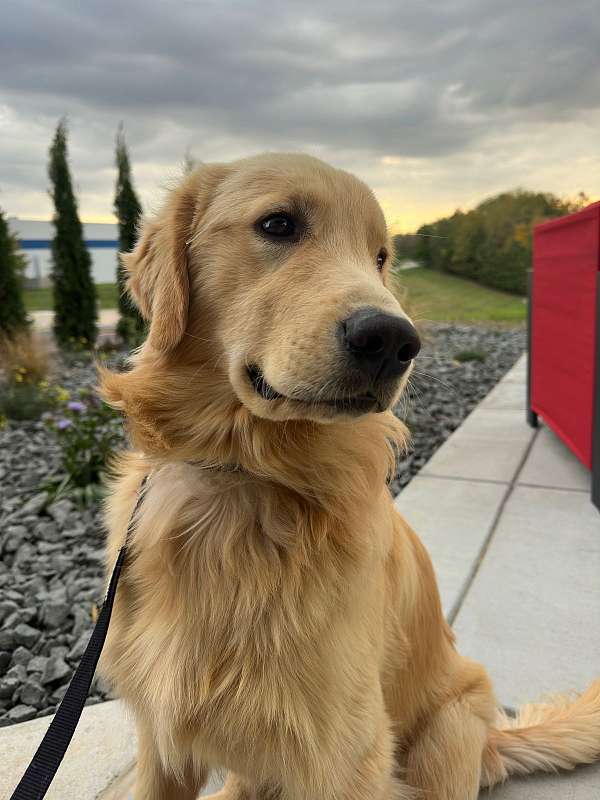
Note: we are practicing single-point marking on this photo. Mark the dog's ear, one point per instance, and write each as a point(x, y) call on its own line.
point(158, 265)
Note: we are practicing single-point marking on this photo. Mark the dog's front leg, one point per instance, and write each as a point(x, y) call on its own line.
point(445, 761)
point(236, 788)
point(371, 777)
point(375, 775)
point(154, 782)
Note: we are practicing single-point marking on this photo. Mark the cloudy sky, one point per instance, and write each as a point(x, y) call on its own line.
point(436, 104)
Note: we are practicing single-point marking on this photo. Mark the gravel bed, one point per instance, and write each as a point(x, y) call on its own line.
point(443, 391)
point(51, 567)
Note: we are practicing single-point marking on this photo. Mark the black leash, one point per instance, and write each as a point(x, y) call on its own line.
point(46, 761)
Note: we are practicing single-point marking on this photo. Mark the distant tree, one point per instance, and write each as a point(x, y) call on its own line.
point(492, 243)
point(405, 247)
point(13, 316)
point(75, 306)
point(131, 327)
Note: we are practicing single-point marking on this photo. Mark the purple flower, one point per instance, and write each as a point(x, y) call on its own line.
point(75, 405)
point(63, 423)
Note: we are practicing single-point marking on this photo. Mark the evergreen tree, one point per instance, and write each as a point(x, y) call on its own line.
point(75, 308)
point(131, 327)
point(13, 317)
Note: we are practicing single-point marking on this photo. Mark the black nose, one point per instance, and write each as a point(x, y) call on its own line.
point(382, 345)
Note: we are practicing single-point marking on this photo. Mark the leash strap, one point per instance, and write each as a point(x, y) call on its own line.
point(46, 761)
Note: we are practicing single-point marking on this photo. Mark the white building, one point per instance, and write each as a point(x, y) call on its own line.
point(36, 240)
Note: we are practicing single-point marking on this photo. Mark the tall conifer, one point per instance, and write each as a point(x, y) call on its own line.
point(131, 327)
point(13, 316)
point(75, 306)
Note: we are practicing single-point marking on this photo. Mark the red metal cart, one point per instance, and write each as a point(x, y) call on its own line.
point(564, 334)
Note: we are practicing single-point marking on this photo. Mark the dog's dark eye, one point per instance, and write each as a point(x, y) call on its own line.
point(381, 259)
point(280, 226)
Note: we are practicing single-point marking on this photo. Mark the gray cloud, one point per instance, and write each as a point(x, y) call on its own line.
point(352, 81)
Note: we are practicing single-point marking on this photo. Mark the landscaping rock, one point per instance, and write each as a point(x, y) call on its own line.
point(21, 713)
point(8, 685)
point(22, 656)
point(32, 694)
point(55, 671)
point(37, 664)
point(34, 505)
point(26, 635)
point(5, 659)
point(60, 510)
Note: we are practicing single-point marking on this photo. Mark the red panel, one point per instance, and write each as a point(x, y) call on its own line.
point(566, 259)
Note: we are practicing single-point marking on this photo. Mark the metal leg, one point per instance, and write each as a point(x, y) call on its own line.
point(596, 409)
point(532, 417)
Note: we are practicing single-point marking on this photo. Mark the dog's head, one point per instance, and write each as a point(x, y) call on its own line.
point(272, 270)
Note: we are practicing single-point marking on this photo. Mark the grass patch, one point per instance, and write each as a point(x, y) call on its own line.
point(439, 297)
point(469, 355)
point(41, 299)
point(429, 294)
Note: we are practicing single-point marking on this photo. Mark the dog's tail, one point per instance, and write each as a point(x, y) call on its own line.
point(545, 737)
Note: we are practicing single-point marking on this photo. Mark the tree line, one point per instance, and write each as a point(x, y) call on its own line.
point(492, 243)
point(75, 301)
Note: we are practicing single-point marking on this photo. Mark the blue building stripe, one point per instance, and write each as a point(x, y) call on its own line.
point(46, 244)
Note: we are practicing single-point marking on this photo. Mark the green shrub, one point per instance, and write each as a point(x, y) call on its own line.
point(470, 355)
point(88, 432)
point(25, 401)
point(25, 393)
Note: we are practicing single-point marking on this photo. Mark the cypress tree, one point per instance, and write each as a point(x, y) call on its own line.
point(13, 316)
point(75, 307)
point(131, 327)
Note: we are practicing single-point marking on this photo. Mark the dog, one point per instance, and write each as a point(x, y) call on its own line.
point(277, 618)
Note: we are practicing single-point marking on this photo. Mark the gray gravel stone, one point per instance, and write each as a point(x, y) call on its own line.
point(78, 648)
point(8, 685)
point(60, 510)
point(32, 694)
point(55, 671)
point(35, 504)
point(22, 656)
point(5, 659)
point(21, 713)
point(37, 664)
point(48, 531)
point(26, 635)
point(7, 607)
point(55, 613)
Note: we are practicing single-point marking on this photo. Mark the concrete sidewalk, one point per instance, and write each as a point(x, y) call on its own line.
point(505, 512)
point(107, 319)
point(515, 541)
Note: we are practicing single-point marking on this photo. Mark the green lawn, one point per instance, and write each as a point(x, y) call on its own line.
point(41, 299)
point(430, 295)
point(437, 296)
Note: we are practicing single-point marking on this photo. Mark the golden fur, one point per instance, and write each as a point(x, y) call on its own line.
point(276, 616)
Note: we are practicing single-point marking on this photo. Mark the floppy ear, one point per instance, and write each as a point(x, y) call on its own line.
point(158, 265)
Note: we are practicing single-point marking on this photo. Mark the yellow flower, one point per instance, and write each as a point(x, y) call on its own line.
point(43, 384)
point(19, 378)
point(62, 394)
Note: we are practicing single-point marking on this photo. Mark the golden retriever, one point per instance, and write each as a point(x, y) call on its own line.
point(277, 617)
